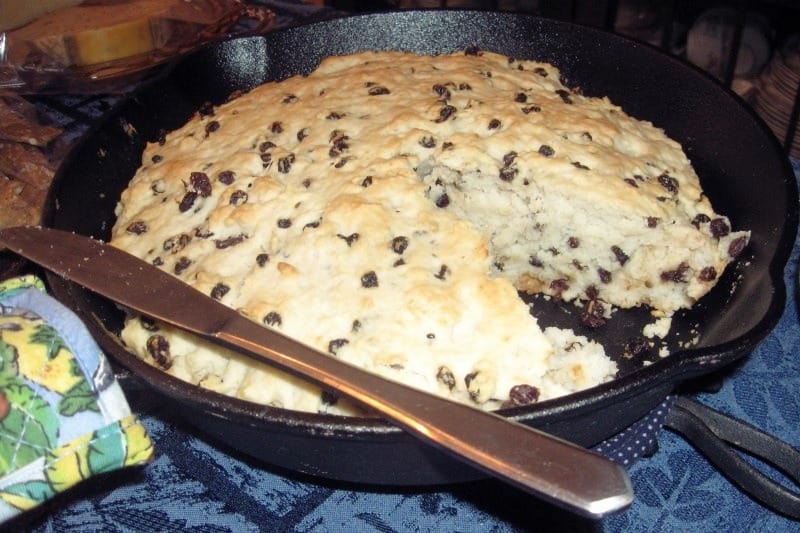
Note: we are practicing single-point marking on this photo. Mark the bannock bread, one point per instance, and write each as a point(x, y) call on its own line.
point(387, 208)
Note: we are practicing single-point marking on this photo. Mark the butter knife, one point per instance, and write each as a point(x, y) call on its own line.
point(553, 469)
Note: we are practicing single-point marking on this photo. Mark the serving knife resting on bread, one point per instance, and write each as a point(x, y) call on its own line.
point(551, 468)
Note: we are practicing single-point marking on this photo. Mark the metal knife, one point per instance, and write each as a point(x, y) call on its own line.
point(551, 468)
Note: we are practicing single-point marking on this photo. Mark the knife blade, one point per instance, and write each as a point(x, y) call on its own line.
point(553, 469)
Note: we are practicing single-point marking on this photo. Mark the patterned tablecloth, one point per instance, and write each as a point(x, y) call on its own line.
point(195, 483)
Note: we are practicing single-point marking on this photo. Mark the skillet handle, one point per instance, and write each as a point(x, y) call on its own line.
point(716, 435)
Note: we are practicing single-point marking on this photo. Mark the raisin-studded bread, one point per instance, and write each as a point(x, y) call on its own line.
point(387, 207)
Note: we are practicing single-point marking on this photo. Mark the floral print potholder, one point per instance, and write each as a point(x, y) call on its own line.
point(63, 416)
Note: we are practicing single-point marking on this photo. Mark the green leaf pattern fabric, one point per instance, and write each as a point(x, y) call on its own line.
point(63, 417)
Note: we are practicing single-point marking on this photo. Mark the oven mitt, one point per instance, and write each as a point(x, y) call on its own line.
point(63, 416)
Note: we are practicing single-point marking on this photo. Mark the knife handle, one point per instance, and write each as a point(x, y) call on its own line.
point(551, 468)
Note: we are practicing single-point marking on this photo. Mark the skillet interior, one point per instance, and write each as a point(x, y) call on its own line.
point(740, 164)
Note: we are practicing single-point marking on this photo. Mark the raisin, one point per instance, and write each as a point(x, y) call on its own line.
point(338, 141)
point(238, 197)
point(378, 90)
point(181, 265)
point(137, 227)
point(399, 244)
point(534, 261)
point(444, 271)
point(652, 222)
point(427, 142)
point(266, 145)
point(333, 115)
point(445, 113)
point(211, 127)
point(579, 165)
point(158, 349)
point(349, 239)
point(508, 158)
point(284, 223)
point(508, 174)
point(289, 98)
point(313, 225)
point(285, 164)
point(356, 326)
point(494, 124)
point(565, 96)
point(668, 182)
point(621, 256)
point(719, 228)
point(592, 314)
point(226, 177)
point(176, 243)
point(366, 182)
point(443, 200)
point(676, 275)
point(591, 292)
point(540, 71)
point(336, 344)
point(446, 377)
point(276, 127)
point(306, 183)
point(546, 151)
point(521, 98)
point(700, 218)
point(272, 319)
point(528, 109)
point(441, 90)
point(558, 286)
point(586, 136)
point(573, 242)
point(221, 244)
point(329, 398)
point(604, 275)
point(369, 280)
point(157, 158)
point(303, 133)
point(219, 290)
point(708, 273)
point(523, 395)
point(631, 182)
point(463, 86)
point(262, 259)
point(187, 201)
point(206, 109)
point(199, 182)
point(737, 246)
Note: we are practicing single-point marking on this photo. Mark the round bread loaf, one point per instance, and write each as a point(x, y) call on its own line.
point(387, 208)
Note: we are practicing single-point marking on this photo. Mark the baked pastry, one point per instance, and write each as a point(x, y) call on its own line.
point(387, 207)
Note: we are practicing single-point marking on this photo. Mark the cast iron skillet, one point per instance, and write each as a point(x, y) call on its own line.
point(740, 164)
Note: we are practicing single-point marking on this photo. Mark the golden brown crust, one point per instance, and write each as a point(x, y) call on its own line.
point(384, 207)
